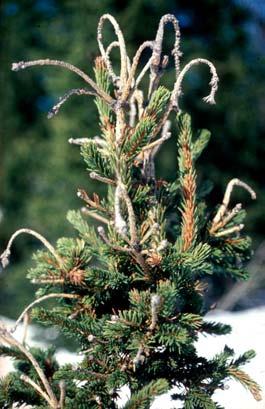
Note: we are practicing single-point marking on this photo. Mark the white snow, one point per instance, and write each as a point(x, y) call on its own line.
point(248, 332)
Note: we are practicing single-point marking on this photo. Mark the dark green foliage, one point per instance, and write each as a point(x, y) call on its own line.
point(144, 398)
point(197, 399)
point(200, 143)
point(142, 133)
point(95, 160)
point(103, 81)
point(158, 102)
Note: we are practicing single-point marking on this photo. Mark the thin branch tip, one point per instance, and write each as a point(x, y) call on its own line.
point(16, 66)
point(5, 258)
point(209, 99)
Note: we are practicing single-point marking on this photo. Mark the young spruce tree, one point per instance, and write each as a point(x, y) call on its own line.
point(130, 292)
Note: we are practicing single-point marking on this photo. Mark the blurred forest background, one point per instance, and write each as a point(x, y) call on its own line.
point(40, 172)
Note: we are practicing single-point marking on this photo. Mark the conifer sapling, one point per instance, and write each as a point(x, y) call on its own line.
point(129, 288)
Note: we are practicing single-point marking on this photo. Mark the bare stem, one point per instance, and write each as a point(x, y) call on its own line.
point(123, 52)
point(47, 281)
point(133, 112)
point(45, 297)
point(37, 388)
point(104, 237)
point(108, 62)
point(102, 179)
point(136, 59)
point(7, 337)
point(62, 393)
point(26, 321)
point(155, 305)
point(157, 51)
point(6, 254)
point(131, 215)
point(173, 102)
point(79, 141)
point(75, 91)
point(94, 215)
point(25, 64)
point(229, 189)
point(142, 73)
point(214, 81)
point(231, 230)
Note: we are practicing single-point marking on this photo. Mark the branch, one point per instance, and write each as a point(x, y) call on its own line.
point(155, 305)
point(213, 83)
point(94, 215)
point(151, 150)
point(166, 134)
point(75, 91)
point(104, 237)
point(45, 297)
point(79, 141)
point(223, 222)
point(6, 253)
point(157, 50)
point(150, 232)
point(62, 393)
point(139, 358)
point(123, 52)
point(22, 65)
point(92, 203)
point(94, 175)
point(37, 388)
point(7, 337)
point(173, 102)
point(127, 88)
point(120, 223)
point(111, 72)
point(229, 189)
point(131, 215)
point(231, 230)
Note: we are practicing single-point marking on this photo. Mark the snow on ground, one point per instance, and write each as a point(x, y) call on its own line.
point(248, 333)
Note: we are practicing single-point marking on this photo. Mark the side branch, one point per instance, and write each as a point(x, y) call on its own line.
point(108, 62)
point(76, 91)
point(213, 83)
point(9, 339)
point(173, 102)
point(25, 64)
point(123, 52)
point(6, 254)
point(45, 297)
point(157, 51)
point(229, 189)
point(136, 59)
point(35, 386)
